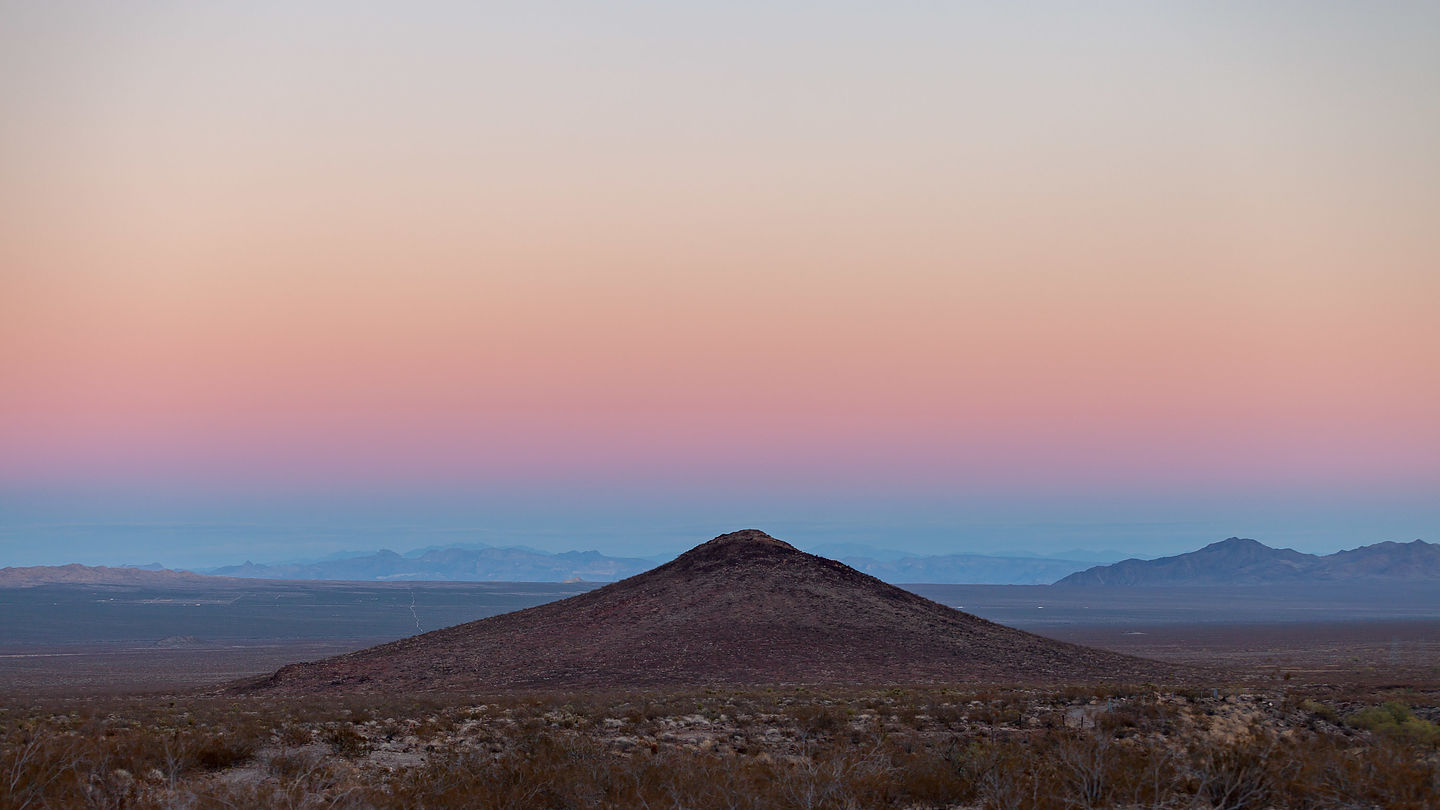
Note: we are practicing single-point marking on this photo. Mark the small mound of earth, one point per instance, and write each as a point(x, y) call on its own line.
point(178, 642)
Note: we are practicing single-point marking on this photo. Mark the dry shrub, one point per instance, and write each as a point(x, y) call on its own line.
point(346, 740)
point(1319, 710)
point(1239, 775)
point(293, 735)
point(32, 769)
point(816, 719)
point(214, 752)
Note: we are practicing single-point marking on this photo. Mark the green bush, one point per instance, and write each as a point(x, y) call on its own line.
point(1320, 710)
point(1395, 718)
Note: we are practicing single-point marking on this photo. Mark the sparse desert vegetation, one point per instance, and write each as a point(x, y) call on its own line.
point(924, 747)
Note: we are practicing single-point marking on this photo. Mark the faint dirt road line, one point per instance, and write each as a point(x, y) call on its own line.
point(413, 614)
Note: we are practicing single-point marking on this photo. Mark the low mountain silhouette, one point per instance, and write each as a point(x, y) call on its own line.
point(480, 563)
point(966, 569)
point(1241, 561)
point(456, 564)
point(77, 574)
point(1416, 560)
point(743, 608)
point(178, 643)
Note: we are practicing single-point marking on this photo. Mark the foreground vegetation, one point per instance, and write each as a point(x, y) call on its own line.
point(779, 748)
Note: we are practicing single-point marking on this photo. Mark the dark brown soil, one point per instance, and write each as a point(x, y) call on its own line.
point(744, 608)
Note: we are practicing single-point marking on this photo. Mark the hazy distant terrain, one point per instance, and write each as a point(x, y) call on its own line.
point(192, 630)
point(1237, 561)
point(1228, 562)
point(1041, 607)
point(239, 610)
point(92, 638)
point(971, 569)
point(75, 574)
point(518, 564)
point(1234, 561)
point(97, 627)
point(458, 564)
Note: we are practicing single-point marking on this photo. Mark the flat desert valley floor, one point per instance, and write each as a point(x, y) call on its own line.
point(68, 639)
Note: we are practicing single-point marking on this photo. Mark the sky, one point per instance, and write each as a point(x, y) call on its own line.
point(281, 279)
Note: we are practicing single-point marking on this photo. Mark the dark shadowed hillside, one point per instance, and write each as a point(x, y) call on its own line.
point(743, 608)
point(1239, 561)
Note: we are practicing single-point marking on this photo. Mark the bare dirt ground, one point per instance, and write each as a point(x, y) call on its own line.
point(120, 668)
point(257, 610)
point(1368, 652)
point(1034, 607)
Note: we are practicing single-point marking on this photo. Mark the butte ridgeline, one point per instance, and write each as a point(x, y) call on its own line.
point(742, 609)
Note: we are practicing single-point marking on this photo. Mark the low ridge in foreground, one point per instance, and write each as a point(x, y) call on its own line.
point(743, 608)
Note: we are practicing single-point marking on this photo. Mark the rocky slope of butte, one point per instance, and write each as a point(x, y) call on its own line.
point(743, 608)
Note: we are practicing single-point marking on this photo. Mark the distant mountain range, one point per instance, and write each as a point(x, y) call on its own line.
point(1241, 561)
point(966, 569)
point(518, 564)
point(76, 574)
point(457, 564)
point(478, 562)
point(1234, 561)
